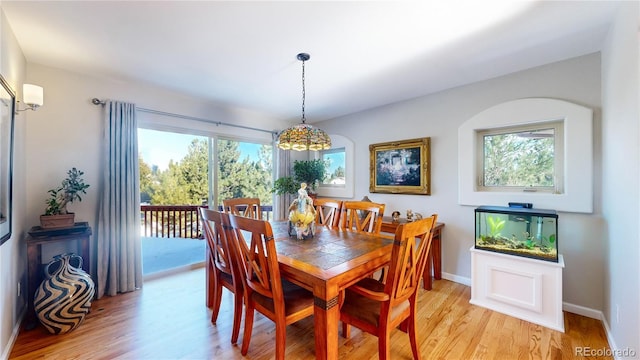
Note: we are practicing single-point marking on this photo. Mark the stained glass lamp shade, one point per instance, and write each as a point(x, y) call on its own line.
point(304, 137)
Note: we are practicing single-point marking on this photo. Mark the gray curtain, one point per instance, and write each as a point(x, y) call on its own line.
point(283, 168)
point(118, 238)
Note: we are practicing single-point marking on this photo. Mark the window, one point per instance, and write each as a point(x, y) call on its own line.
point(175, 168)
point(572, 189)
point(523, 158)
point(339, 181)
point(334, 167)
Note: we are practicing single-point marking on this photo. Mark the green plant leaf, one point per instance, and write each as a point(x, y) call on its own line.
point(68, 192)
point(309, 171)
point(285, 185)
point(495, 225)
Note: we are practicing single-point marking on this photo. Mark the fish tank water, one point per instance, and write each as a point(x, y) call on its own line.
point(527, 232)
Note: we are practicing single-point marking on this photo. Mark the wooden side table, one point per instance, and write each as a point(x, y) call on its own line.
point(434, 261)
point(81, 233)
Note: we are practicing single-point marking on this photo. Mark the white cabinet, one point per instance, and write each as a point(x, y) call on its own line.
point(528, 289)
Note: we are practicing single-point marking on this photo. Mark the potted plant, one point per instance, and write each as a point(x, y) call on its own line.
point(285, 185)
point(56, 214)
point(310, 172)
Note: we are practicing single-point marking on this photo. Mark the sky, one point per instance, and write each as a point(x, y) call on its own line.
point(337, 159)
point(159, 147)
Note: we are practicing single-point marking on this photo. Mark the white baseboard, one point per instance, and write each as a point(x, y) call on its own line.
point(14, 336)
point(610, 339)
point(456, 278)
point(584, 311)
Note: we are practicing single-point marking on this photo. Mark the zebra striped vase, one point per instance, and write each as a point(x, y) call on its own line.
point(64, 298)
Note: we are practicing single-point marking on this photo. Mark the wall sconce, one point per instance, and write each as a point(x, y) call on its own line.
point(32, 96)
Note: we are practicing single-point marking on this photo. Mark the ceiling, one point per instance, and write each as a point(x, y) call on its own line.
point(363, 54)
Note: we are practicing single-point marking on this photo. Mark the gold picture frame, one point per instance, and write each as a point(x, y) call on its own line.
point(401, 167)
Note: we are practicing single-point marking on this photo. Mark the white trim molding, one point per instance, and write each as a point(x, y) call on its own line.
point(577, 194)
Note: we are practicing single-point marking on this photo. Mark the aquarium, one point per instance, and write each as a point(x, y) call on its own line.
point(524, 232)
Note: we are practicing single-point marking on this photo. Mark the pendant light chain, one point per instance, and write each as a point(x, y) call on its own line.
point(303, 137)
point(303, 93)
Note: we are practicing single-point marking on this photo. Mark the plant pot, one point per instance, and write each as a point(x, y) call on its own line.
point(57, 221)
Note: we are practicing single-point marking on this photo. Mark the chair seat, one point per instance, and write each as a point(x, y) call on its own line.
point(365, 309)
point(296, 298)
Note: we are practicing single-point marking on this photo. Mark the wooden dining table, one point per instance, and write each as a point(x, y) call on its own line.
point(326, 264)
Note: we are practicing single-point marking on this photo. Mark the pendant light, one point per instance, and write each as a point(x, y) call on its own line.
point(303, 136)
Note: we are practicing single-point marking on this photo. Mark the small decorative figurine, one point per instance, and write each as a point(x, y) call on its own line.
point(395, 216)
point(409, 215)
point(418, 216)
point(302, 215)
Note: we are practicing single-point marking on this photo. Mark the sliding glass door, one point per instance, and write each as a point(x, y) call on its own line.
point(181, 172)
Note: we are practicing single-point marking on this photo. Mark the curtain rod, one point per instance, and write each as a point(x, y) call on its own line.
point(97, 101)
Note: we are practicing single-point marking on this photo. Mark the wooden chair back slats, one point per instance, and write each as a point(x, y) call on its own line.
point(425, 245)
point(328, 212)
point(247, 207)
point(256, 255)
point(362, 216)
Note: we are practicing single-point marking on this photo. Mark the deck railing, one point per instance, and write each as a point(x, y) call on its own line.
point(178, 220)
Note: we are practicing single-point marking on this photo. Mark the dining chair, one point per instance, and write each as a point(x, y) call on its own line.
point(328, 212)
point(264, 290)
point(225, 273)
point(378, 307)
point(247, 207)
point(362, 216)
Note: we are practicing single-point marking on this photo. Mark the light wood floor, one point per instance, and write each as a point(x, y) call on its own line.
point(168, 320)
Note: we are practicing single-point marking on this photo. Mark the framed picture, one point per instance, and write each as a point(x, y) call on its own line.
point(401, 167)
point(7, 112)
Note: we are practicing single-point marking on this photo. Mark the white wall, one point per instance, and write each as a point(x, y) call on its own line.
point(12, 252)
point(439, 116)
point(621, 181)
